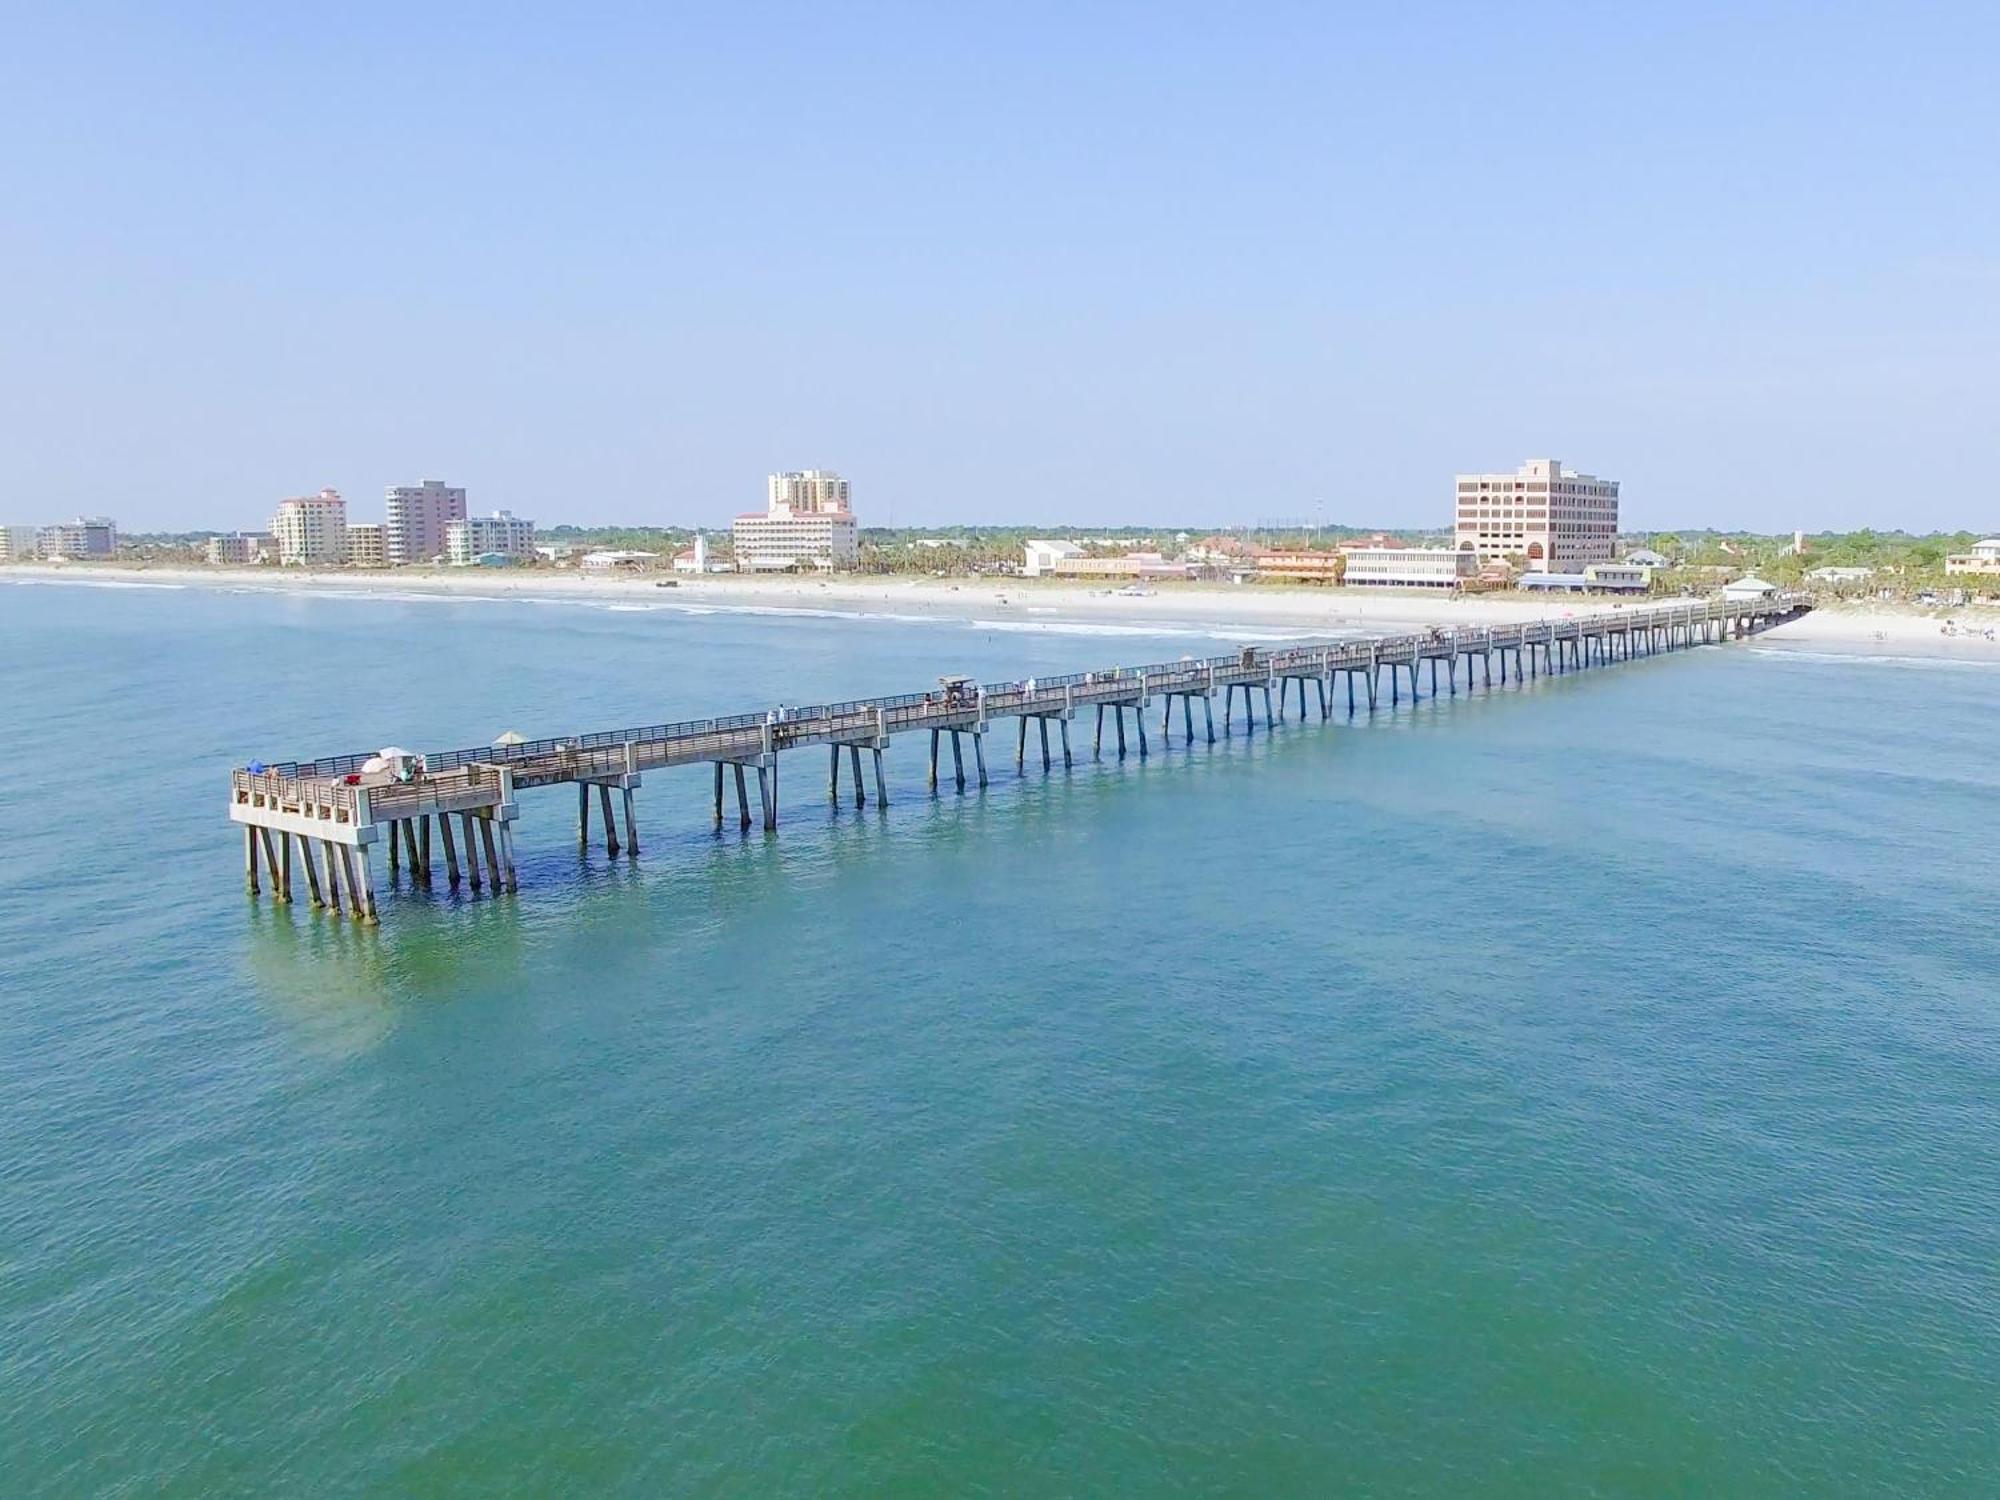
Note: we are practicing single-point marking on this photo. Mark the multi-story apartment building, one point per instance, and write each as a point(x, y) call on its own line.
point(311, 530)
point(1553, 519)
point(1410, 567)
point(86, 536)
point(807, 520)
point(1983, 558)
point(241, 547)
point(502, 533)
point(19, 544)
point(367, 545)
point(415, 518)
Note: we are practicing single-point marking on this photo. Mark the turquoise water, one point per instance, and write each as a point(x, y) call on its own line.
point(1582, 1089)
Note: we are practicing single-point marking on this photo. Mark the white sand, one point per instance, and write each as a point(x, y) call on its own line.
point(1295, 610)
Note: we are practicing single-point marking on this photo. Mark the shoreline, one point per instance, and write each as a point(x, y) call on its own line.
point(1174, 605)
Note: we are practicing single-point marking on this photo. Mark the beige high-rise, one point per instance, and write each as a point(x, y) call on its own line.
point(311, 530)
point(1553, 519)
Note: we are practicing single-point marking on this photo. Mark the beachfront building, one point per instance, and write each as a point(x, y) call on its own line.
point(311, 530)
point(502, 534)
point(240, 548)
point(1039, 558)
point(1128, 565)
point(1983, 558)
point(1554, 519)
point(614, 560)
point(1749, 589)
point(807, 521)
point(85, 537)
point(1839, 577)
point(695, 559)
point(19, 544)
point(1410, 567)
point(1301, 565)
point(414, 520)
point(367, 545)
point(1598, 578)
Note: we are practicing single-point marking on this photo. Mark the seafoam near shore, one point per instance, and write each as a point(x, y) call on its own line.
point(1033, 604)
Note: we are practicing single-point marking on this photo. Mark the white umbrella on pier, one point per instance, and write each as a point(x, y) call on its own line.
point(373, 764)
point(393, 752)
point(510, 737)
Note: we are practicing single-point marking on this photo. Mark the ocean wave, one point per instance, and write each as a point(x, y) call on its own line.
point(1879, 658)
point(90, 583)
point(1180, 630)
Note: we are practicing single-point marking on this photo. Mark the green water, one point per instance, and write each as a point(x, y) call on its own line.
point(1582, 1089)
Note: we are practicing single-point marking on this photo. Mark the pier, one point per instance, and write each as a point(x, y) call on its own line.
point(328, 820)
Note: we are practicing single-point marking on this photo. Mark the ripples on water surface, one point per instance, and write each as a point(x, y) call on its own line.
point(1587, 1088)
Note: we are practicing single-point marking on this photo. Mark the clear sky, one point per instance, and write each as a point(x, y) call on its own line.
point(1093, 263)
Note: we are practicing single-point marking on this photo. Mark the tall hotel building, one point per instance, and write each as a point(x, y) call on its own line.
point(414, 518)
point(806, 520)
point(311, 530)
point(1559, 521)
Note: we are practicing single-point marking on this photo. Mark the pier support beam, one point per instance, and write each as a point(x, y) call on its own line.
point(312, 870)
point(881, 786)
point(450, 849)
point(364, 887)
point(610, 823)
point(767, 793)
point(471, 850)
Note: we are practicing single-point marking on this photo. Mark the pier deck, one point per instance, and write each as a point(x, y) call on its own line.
point(333, 804)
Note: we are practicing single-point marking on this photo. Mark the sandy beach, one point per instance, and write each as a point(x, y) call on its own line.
point(1250, 609)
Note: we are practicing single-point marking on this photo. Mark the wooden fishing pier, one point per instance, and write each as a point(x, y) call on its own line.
point(327, 818)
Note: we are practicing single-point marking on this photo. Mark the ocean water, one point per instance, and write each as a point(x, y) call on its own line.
point(1583, 1088)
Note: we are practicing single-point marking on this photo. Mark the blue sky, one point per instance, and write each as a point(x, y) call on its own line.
point(1099, 263)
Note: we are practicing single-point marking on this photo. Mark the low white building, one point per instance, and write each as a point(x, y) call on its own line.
point(1748, 589)
point(502, 534)
point(695, 559)
point(1411, 567)
point(1040, 558)
point(607, 559)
